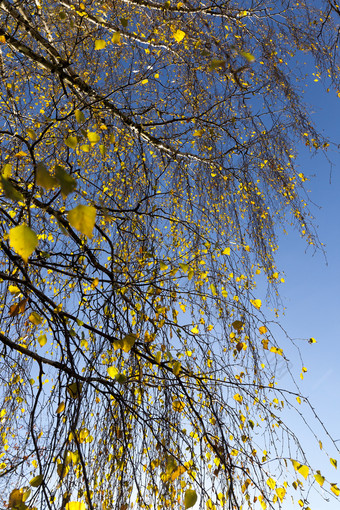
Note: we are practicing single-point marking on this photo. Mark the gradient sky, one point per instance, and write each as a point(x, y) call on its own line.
point(311, 294)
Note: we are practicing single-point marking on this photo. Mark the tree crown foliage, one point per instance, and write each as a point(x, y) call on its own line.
point(147, 153)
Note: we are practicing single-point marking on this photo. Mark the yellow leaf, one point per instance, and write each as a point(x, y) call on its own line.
point(144, 81)
point(213, 289)
point(263, 330)
point(276, 350)
point(198, 132)
point(312, 340)
point(179, 35)
point(195, 330)
point(83, 218)
point(176, 367)
point(36, 481)
point(238, 398)
point(271, 483)
point(32, 134)
point(190, 498)
point(281, 491)
point(163, 266)
point(335, 489)
point(79, 116)
point(42, 339)
point(65, 180)
point(35, 318)
point(99, 44)
point(116, 38)
point(319, 478)
point(334, 463)
point(178, 472)
point(71, 142)
point(2, 39)
point(126, 343)
point(93, 137)
point(248, 56)
point(75, 505)
point(257, 303)
point(178, 406)
point(265, 342)
point(113, 372)
point(23, 240)
point(303, 470)
point(13, 289)
point(60, 408)
point(226, 251)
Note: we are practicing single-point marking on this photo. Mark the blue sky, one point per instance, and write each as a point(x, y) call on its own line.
point(311, 293)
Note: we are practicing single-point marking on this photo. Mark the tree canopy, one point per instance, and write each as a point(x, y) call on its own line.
point(148, 153)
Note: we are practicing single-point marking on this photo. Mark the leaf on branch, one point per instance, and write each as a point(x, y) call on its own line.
point(179, 35)
point(17, 308)
point(257, 303)
point(43, 178)
point(126, 343)
point(65, 181)
point(74, 389)
point(83, 218)
point(9, 190)
point(23, 240)
point(71, 142)
point(36, 481)
point(319, 478)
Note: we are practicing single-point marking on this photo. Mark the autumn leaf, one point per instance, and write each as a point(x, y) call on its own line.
point(83, 218)
point(43, 177)
point(75, 505)
point(99, 44)
point(319, 478)
point(179, 35)
point(190, 498)
point(66, 182)
point(74, 389)
point(9, 190)
point(23, 240)
point(257, 303)
point(36, 481)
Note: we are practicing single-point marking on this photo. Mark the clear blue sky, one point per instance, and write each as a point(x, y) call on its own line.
point(311, 293)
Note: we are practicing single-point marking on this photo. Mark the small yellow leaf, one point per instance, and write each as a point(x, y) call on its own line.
point(13, 289)
point(271, 483)
point(99, 44)
point(178, 406)
point(190, 498)
point(71, 142)
point(226, 251)
point(2, 39)
point(179, 35)
point(36, 481)
point(257, 303)
point(248, 56)
point(60, 408)
point(35, 318)
point(75, 505)
point(319, 478)
point(113, 372)
point(163, 266)
point(276, 350)
point(312, 340)
point(79, 116)
point(335, 489)
point(281, 491)
point(334, 463)
point(83, 218)
point(176, 367)
point(144, 81)
point(42, 339)
point(126, 343)
point(263, 330)
point(93, 137)
point(198, 132)
point(116, 38)
point(238, 398)
point(23, 240)
point(303, 470)
point(195, 330)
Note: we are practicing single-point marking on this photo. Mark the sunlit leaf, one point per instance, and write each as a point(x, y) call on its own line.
point(74, 389)
point(280, 491)
point(179, 35)
point(99, 44)
point(126, 343)
point(9, 190)
point(319, 478)
point(35, 318)
point(83, 218)
point(23, 240)
point(42, 339)
point(71, 142)
point(116, 38)
point(60, 408)
point(257, 303)
point(271, 483)
point(334, 463)
point(335, 489)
